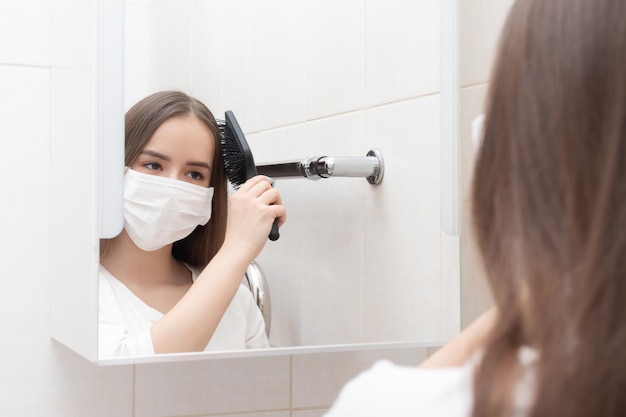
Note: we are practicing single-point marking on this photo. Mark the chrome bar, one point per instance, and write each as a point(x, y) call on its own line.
point(316, 167)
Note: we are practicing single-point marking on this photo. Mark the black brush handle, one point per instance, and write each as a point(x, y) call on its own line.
point(274, 235)
point(289, 169)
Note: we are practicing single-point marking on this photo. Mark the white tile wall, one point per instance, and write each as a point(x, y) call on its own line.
point(137, 56)
point(240, 60)
point(40, 377)
point(310, 413)
point(224, 386)
point(342, 229)
point(401, 50)
point(282, 66)
point(333, 223)
point(401, 244)
point(479, 26)
point(317, 379)
point(273, 413)
point(335, 45)
point(170, 47)
point(207, 30)
point(159, 33)
point(25, 32)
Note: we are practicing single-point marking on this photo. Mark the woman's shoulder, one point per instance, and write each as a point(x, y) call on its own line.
point(107, 283)
point(390, 389)
point(110, 286)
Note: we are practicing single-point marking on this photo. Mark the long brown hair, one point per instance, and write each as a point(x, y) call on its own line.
point(549, 208)
point(142, 120)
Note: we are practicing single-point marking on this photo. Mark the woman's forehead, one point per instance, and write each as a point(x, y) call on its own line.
point(183, 135)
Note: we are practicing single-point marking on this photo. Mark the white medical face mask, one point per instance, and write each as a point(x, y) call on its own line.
point(159, 211)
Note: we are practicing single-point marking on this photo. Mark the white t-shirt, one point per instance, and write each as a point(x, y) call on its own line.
point(125, 321)
point(387, 389)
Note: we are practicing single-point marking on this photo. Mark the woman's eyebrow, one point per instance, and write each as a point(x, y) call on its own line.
point(156, 155)
point(167, 158)
point(199, 164)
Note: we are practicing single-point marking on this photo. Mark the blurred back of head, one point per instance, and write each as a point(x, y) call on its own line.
point(549, 205)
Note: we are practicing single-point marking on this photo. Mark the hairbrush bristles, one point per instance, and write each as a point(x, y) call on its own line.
point(234, 164)
point(238, 160)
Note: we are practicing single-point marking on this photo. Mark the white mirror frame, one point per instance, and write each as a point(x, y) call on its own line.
point(87, 137)
point(87, 159)
point(449, 96)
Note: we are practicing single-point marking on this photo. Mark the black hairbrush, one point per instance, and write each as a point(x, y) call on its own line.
point(238, 159)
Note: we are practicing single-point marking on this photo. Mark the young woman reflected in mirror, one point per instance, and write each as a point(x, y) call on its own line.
point(171, 281)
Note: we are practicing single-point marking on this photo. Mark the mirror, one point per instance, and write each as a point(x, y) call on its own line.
point(357, 266)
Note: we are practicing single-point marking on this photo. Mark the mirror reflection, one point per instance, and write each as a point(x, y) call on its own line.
point(172, 280)
point(355, 264)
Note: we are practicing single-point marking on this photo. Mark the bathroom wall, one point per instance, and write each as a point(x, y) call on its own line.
point(39, 377)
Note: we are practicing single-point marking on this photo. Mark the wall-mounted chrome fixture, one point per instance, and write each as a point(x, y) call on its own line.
point(255, 280)
point(315, 167)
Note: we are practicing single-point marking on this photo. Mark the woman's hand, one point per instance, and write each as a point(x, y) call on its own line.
point(252, 210)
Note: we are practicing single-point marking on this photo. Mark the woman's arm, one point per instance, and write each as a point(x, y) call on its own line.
point(461, 348)
point(190, 324)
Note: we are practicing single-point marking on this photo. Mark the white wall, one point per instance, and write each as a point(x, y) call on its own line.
point(40, 378)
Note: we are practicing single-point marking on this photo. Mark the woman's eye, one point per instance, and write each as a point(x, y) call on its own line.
point(195, 175)
point(152, 166)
